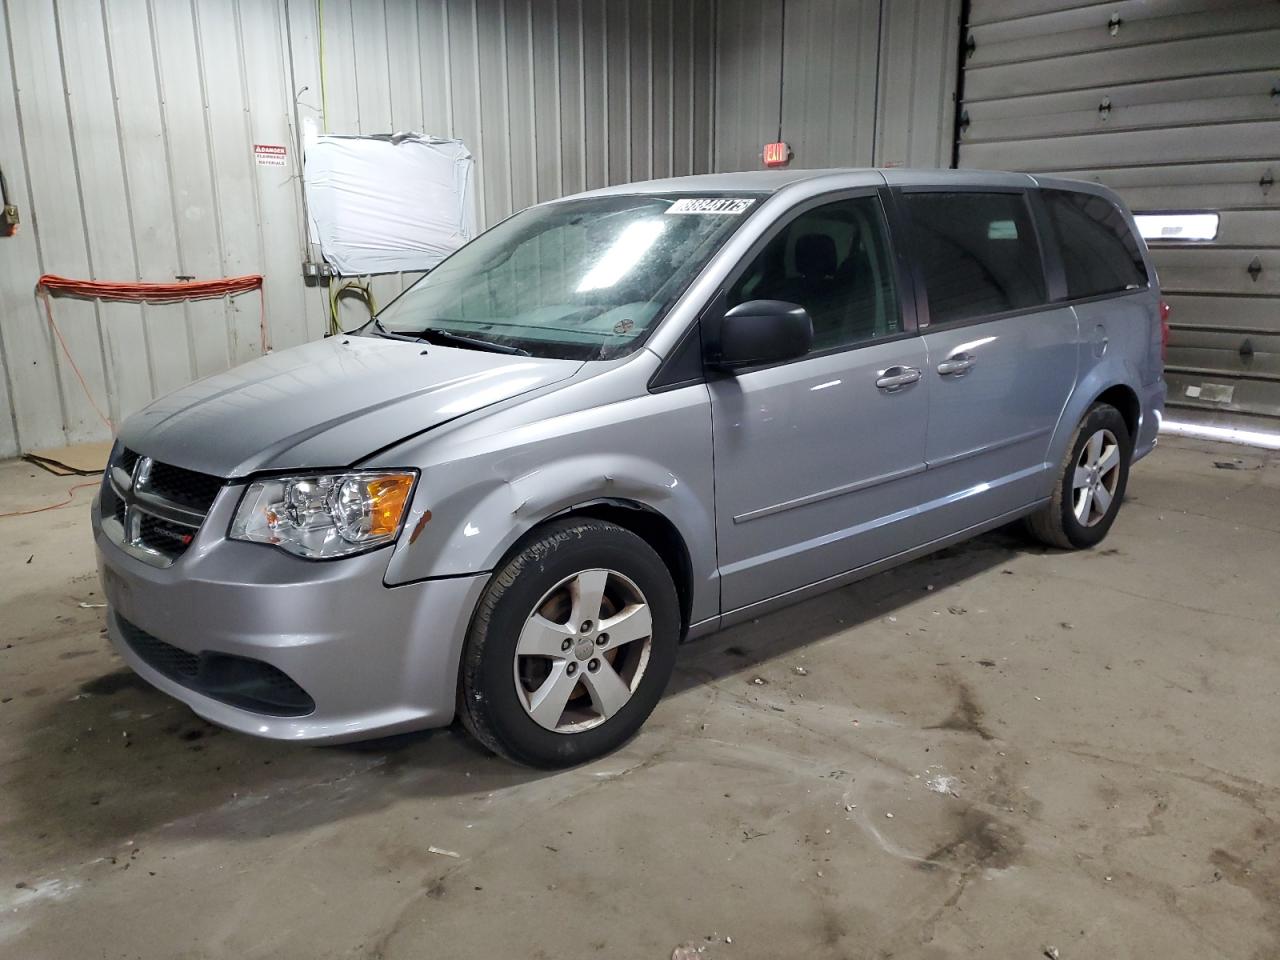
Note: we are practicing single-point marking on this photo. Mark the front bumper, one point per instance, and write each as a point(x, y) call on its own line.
point(374, 659)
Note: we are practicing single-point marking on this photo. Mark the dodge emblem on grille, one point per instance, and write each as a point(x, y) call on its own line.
point(132, 518)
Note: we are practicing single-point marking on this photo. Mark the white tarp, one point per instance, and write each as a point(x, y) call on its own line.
point(383, 205)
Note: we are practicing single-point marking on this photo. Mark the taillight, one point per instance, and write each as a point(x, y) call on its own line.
point(1164, 330)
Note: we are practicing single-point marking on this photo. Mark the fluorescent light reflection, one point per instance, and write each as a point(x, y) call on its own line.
point(632, 244)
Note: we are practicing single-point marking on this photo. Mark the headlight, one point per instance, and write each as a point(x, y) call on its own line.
point(323, 516)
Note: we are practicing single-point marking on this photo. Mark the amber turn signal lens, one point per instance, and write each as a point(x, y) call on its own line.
point(388, 497)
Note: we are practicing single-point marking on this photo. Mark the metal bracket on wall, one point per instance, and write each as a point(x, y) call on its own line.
point(970, 45)
point(1104, 109)
point(1255, 269)
point(963, 125)
point(1114, 24)
point(1266, 182)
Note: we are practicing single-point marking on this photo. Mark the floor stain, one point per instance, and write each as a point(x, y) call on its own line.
point(980, 841)
point(967, 717)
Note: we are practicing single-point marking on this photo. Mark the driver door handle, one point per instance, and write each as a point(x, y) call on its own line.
point(893, 379)
point(956, 366)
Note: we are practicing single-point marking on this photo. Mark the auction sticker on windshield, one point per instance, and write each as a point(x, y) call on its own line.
point(714, 205)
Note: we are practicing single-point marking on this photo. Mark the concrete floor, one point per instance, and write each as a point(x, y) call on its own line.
point(996, 751)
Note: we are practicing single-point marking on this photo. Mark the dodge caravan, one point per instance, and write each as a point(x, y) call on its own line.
point(620, 420)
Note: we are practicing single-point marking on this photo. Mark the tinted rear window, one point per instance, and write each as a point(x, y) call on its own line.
point(1099, 252)
point(978, 252)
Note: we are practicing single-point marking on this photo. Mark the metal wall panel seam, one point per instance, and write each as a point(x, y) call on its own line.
point(146, 167)
point(100, 176)
point(605, 76)
point(559, 107)
point(193, 179)
point(1208, 56)
point(171, 178)
point(391, 87)
point(9, 433)
point(108, 374)
point(649, 50)
point(875, 113)
point(504, 60)
point(691, 53)
point(914, 78)
point(708, 37)
point(69, 396)
point(249, 320)
point(671, 82)
point(355, 67)
point(533, 106)
point(582, 90)
point(448, 70)
point(1135, 34)
point(295, 122)
point(214, 180)
point(1116, 130)
point(50, 348)
point(128, 193)
point(479, 150)
point(626, 88)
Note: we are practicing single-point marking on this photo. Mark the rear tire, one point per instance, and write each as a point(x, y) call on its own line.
point(571, 646)
point(1091, 483)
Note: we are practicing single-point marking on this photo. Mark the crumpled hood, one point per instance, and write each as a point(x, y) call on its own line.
point(326, 404)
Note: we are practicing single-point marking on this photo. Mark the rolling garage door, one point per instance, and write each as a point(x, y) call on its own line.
point(1176, 105)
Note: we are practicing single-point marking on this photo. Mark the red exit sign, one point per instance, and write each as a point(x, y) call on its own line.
point(776, 154)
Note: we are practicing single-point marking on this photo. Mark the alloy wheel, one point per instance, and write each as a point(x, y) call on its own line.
point(1096, 476)
point(583, 651)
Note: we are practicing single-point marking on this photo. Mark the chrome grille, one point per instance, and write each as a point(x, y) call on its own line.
point(153, 510)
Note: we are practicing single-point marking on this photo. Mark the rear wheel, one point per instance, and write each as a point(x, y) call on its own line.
point(1091, 483)
point(571, 647)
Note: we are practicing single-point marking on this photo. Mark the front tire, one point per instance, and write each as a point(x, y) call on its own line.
point(1091, 483)
point(571, 647)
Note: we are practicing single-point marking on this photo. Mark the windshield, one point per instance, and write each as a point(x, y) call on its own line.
point(580, 279)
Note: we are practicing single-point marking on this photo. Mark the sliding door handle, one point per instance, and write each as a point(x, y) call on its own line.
point(893, 379)
point(956, 366)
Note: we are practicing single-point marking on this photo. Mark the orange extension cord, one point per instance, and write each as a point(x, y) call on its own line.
point(71, 496)
point(143, 293)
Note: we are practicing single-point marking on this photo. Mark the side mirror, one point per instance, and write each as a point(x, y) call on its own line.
point(763, 331)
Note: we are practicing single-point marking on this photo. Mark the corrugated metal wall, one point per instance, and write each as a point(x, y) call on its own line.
point(126, 135)
point(127, 131)
point(1177, 106)
point(854, 82)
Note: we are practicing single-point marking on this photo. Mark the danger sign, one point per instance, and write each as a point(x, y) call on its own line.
point(269, 155)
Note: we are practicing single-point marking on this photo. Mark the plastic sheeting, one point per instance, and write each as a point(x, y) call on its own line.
point(388, 204)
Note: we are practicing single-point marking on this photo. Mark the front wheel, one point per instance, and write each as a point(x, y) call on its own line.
point(571, 646)
point(1091, 483)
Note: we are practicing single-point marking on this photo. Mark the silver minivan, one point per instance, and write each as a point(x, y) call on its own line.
point(619, 420)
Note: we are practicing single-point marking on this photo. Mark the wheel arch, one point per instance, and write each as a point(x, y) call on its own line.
point(650, 525)
point(1125, 399)
point(1112, 383)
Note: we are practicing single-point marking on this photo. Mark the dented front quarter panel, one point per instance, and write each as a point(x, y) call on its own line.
point(488, 480)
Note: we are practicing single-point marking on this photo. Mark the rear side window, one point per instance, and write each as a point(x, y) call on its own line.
point(978, 252)
point(1099, 252)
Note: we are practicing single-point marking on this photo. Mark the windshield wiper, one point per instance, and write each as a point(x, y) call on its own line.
point(392, 335)
point(445, 338)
